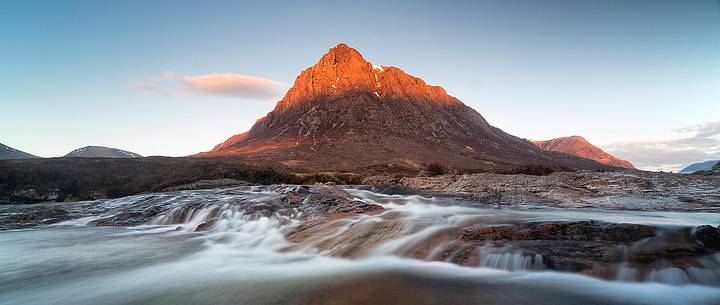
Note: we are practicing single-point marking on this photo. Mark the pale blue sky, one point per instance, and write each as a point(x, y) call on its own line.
point(612, 71)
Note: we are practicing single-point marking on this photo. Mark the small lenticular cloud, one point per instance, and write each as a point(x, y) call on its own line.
point(222, 84)
point(234, 85)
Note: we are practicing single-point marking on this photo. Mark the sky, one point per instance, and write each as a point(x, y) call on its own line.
point(640, 79)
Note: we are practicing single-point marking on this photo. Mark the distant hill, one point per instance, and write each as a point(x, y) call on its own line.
point(578, 146)
point(7, 152)
point(701, 166)
point(101, 152)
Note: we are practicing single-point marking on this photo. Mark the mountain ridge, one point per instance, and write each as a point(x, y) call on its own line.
point(9, 153)
point(580, 147)
point(699, 166)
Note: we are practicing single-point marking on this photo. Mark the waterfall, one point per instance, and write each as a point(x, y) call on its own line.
point(513, 261)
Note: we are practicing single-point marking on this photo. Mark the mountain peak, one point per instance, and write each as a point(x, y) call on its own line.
point(578, 146)
point(341, 55)
point(344, 113)
point(343, 50)
point(343, 71)
point(342, 45)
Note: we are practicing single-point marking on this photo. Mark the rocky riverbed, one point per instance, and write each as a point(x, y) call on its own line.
point(356, 222)
point(566, 238)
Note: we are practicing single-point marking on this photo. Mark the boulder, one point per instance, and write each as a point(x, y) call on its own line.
point(707, 235)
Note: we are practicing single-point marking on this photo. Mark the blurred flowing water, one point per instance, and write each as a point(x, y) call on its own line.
point(247, 258)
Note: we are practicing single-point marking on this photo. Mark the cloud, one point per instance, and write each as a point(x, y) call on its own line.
point(165, 75)
point(695, 143)
point(709, 129)
point(234, 85)
point(170, 83)
point(144, 86)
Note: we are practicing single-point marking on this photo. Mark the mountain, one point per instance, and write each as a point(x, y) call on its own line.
point(701, 166)
point(346, 114)
point(7, 152)
point(578, 146)
point(101, 152)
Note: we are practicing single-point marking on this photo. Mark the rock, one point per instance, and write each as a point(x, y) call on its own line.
point(32, 215)
point(373, 180)
point(525, 234)
point(33, 195)
point(708, 235)
point(207, 184)
point(291, 198)
point(665, 248)
point(206, 225)
point(627, 232)
point(356, 206)
point(482, 232)
point(568, 230)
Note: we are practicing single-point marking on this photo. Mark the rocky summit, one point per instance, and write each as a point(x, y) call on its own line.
point(346, 114)
point(578, 146)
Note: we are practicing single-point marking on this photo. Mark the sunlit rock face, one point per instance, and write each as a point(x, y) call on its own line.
point(578, 146)
point(344, 113)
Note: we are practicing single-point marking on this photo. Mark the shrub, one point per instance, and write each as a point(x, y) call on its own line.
point(342, 179)
point(538, 170)
point(435, 169)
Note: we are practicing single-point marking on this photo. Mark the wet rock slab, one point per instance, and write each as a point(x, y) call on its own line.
point(570, 230)
point(591, 246)
point(311, 202)
point(619, 190)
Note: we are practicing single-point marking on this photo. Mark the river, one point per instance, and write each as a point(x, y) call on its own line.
point(260, 258)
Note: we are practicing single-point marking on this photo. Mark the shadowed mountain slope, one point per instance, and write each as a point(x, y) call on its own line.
point(8, 153)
